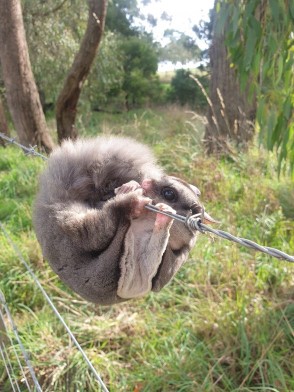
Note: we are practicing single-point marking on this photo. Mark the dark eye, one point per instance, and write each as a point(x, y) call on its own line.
point(169, 194)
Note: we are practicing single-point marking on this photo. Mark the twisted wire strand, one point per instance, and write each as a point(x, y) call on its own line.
point(8, 367)
point(194, 223)
point(28, 150)
point(12, 345)
point(23, 350)
point(31, 151)
point(56, 312)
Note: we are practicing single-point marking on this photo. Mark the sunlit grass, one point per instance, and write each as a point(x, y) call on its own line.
point(225, 323)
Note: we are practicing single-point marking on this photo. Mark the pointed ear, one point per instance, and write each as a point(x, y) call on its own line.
point(208, 219)
point(195, 189)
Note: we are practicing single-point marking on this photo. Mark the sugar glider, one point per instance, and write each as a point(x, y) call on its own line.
point(92, 224)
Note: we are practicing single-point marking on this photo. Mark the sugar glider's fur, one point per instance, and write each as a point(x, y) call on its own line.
point(90, 219)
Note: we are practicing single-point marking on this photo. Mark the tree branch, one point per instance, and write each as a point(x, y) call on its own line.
point(67, 101)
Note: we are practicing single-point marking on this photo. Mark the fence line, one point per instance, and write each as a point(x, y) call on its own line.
point(193, 222)
point(23, 350)
point(28, 150)
point(56, 312)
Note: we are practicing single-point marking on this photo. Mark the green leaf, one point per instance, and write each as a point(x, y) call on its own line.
point(256, 64)
point(280, 70)
point(252, 91)
point(288, 108)
point(265, 68)
point(284, 149)
point(276, 136)
point(256, 26)
point(280, 134)
point(273, 45)
point(260, 113)
point(249, 49)
point(291, 9)
point(235, 20)
point(243, 80)
point(271, 124)
point(249, 10)
point(275, 9)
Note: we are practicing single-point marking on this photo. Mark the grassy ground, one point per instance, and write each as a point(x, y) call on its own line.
point(226, 321)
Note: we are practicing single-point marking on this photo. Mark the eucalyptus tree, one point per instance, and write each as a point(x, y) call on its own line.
point(259, 36)
point(54, 31)
point(230, 112)
point(3, 122)
point(21, 90)
point(66, 106)
point(55, 35)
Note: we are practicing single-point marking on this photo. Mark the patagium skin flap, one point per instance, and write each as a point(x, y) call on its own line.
point(92, 224)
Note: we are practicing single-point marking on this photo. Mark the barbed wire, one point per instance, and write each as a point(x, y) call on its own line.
point(55, 311)
point(28, 150)
point(193, 222)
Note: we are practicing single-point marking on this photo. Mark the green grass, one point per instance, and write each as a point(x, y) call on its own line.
point(225, 323)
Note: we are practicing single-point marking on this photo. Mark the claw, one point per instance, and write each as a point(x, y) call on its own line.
point(128, 187)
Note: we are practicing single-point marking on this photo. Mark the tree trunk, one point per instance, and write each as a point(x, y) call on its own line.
point(230, 115)
point(3, 123)
point(22, 94)
point(66, 107)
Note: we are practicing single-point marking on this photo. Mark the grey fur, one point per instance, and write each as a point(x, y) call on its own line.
point(95, 239)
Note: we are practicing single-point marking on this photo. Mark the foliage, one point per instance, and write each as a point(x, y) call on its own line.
point(225, 323)
point(107, 74)
point(185, 91)
point(204, 32)
point(181, 48)
point(259, 36)
point(120, 17)
point(53, 39)
point(140, 67)
point(126, 63)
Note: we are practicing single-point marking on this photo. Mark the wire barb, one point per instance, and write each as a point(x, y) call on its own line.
point(194, 223)
point(28, 150)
